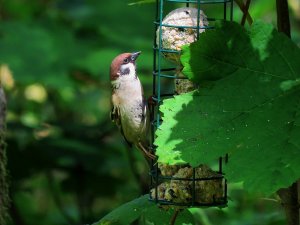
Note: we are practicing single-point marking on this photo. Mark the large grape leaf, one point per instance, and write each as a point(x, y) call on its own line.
point(247, 105)
point(142, 207)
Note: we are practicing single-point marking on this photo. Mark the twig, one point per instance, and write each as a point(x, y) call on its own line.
point(245, 12)
point(242, 6)
point(270, 199)
point(174, 217)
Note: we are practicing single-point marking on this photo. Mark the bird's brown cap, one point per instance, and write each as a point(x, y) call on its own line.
point(123, 58)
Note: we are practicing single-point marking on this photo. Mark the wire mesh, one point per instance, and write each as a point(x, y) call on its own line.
point(167, 71)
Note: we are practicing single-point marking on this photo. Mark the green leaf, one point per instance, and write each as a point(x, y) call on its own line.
point(127, 213)
point(247, 105)
point(142, 207)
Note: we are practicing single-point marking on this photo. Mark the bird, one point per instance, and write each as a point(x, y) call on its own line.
point(130, 111)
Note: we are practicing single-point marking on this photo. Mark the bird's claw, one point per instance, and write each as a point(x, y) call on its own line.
point(146, 152)
point(151, 101)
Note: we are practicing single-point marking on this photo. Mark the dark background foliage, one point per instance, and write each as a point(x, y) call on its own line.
point(67, 163)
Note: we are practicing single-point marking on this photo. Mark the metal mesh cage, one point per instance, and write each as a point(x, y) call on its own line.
point(185, 186)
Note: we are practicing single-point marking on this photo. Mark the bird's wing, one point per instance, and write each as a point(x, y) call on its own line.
point(115, 116)
point(145, 110)
point(146, 114)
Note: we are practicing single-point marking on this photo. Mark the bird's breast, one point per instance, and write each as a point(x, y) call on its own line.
point(128, 97)
point(133, 112)
point(134, 120)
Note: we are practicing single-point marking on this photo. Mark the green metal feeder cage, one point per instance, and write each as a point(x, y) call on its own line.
point(193, 187)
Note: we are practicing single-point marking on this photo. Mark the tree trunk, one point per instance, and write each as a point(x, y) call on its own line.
point(4, 200)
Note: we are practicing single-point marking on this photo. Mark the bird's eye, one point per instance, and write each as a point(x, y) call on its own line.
point(126, 60)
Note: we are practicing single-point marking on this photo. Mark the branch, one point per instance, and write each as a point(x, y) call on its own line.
point(283, 19)
point(245, 11)
point(241, 5)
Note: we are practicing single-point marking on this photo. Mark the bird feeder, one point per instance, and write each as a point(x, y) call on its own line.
point(177, 23)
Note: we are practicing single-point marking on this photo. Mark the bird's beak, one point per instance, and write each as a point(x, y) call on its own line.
point(135, 55)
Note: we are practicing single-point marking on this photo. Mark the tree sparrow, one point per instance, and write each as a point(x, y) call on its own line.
point(130, 111)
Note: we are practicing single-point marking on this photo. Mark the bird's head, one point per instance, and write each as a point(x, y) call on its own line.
point(124, 65)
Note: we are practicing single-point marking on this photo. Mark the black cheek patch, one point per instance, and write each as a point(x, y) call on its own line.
point(125, 71)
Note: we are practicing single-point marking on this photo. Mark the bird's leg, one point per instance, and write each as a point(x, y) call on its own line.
point(151, 105)
point(151, 101)
point(147, 153)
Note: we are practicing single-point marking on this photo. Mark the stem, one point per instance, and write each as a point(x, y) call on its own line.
point(80, 192)
point(57, 200)
point(174, 217)
point(139, 178)
point(242, 6)
point(246, 13)
point(283, 19)
point(203, 217)
point(289, 201)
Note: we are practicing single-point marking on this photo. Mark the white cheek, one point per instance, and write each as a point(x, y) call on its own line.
point(131, 68)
